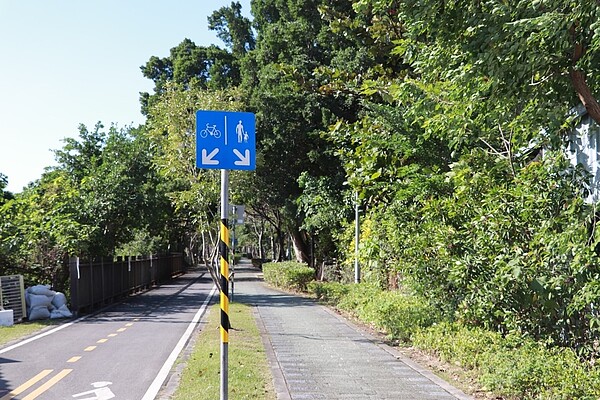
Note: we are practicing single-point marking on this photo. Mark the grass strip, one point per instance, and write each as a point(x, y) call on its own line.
point(22, 330)
point(249, 373)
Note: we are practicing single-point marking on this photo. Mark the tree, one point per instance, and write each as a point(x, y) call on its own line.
point(4, 194)
point(469, 214)
point(279, 76)
point(194, 193)
point(233, 29)
point(201, 67)
point(40, 228)
point(190, 66)
point(117, 186)
point(4, 197)
point(325, 210)
point(536, 54)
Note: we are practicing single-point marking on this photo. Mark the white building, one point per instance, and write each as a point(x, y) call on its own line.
point(584, 145)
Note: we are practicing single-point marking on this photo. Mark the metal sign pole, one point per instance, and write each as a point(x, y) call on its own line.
point(224, 253)
point(232, 272)
point(220, 146)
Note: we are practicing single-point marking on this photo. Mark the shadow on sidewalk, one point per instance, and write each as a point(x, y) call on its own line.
point(247, 278)
point(272, 300)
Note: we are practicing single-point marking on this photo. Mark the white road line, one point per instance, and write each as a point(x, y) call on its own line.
point(41, 335)
point(166, 368)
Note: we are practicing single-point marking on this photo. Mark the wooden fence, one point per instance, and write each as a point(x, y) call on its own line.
point(99, 282)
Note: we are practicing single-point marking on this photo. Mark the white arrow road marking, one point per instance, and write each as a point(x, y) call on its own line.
point(243, 159)
point(208, 159)
point(102, 392)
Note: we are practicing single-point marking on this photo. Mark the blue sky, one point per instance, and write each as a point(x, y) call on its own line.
point(66, 62)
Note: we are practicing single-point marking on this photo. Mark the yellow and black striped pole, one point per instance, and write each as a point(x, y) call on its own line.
point(224, 254)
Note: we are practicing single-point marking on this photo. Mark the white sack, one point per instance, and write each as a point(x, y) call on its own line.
point(39, 312)
point(42, 290)
point(59, 300)
point(39, 300)
point(62, 312)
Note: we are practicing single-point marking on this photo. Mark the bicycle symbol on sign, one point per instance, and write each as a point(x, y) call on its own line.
point(210, 130)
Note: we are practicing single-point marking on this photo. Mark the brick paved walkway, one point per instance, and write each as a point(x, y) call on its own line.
point(316, 354)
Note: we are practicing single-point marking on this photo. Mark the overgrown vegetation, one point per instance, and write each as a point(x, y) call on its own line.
point(513, 366)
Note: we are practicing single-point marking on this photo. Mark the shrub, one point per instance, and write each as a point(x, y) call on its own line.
point(458, 344)
point(512, 366)
point(328, 292)
point(533, 371)
point(288, 275)
point(396, 313)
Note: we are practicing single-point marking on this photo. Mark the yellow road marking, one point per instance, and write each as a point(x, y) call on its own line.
point(102, 341)
point(51, 382)
point(27, 384)
point(121, 329)
point(112, 334)
point(74, 359)
point(129, 324)
point(89, 348)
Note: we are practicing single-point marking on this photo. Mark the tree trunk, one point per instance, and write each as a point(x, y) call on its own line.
point(192, 250)
point(259, 230)
point(261, 249)
point(585, 94)
point(202, 255)
point(280, 245)
point(580, 83)
point(273, 248)
point(301, 249)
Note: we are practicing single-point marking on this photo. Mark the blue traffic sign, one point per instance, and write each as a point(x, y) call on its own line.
point(225, 140)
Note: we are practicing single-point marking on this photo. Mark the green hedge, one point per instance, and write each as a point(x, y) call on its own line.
point(288, 275)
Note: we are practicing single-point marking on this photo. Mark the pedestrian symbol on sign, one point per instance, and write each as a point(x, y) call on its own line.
point(239, 129)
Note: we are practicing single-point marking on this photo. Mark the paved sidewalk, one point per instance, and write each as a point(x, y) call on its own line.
point(316, 354)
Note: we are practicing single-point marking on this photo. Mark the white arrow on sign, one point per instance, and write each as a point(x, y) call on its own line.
point(207, 159)
point(244, 159)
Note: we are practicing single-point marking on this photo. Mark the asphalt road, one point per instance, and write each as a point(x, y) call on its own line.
point(124, 352)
